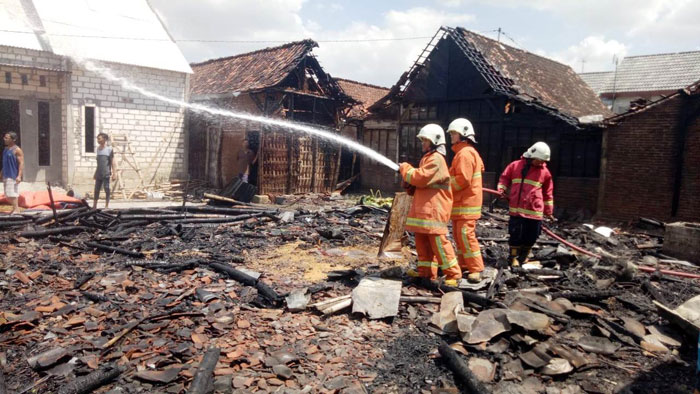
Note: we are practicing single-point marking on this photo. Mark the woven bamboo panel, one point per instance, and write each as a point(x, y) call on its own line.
point(326, 168)
point(305, 164)
point(274, 163)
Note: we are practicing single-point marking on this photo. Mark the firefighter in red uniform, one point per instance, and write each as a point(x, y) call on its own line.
point(431, 207)
point(530, 199)
point(465, 180)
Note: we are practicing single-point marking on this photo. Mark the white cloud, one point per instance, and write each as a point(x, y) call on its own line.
point(231, 20)
point(593, 53)
point(450, 3)
point(383, 62)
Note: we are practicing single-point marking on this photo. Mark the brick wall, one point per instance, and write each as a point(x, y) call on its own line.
point(640, 162)
point(689, 204)
point(574, 194)
point(155, 129)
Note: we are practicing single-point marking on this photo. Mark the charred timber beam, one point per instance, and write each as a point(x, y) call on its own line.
point(226, 211)
point(538, 271)
point(461, 370)
point(83, 279)
point(586, 296)
point(649, 288)
point(202, 382)
point(92, 381)
point(78, 215)
point(240, 276)
point(53, 231)
point(15, 223)
point(231, 219)
point(94, 297)
point(113, 249)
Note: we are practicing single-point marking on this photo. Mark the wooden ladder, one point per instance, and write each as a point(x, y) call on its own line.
point(124, 154)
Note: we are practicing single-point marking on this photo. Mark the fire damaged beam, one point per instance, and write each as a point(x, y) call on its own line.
point(113, 249)
point(53, 231)
point(92, 381)
point(461, 370)
point(240, 276)
point(232, 219)
point(202, 382)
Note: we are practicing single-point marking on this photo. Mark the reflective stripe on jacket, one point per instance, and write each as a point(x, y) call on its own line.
point(432, 200)
point(532, 197)
point(465, 179)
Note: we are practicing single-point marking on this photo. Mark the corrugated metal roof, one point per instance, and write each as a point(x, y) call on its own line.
point(652, 73)
point(365, 94)
point(598, 81)
point(125, 31)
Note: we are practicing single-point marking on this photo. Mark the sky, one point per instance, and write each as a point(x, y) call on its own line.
point(386, 37)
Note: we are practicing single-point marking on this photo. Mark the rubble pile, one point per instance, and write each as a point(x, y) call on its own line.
point(291, 298)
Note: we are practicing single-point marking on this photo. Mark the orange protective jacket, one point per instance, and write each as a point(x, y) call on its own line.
point(432, 200)
point(465, 180)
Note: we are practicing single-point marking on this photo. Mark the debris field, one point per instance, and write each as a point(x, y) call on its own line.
point(292, 298)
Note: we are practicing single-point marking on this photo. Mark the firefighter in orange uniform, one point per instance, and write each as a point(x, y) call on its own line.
point(465, 180)
point(431, 207)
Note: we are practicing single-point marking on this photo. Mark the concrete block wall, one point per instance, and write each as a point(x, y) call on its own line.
point(52, 80)
point(31, 58)
point(154, 128)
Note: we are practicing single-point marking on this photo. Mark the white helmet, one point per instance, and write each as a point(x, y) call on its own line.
point(464, 128)
point(539, 151)
point(433, 133)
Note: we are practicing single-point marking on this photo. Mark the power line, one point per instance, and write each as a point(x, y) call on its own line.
point(222, 41)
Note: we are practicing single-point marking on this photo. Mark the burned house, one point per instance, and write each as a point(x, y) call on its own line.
point(284, 82)
point(356, 119)
point(513, 97)
point(650, 160)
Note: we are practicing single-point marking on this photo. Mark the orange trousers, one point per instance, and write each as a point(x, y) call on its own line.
point(435, 251)
point(468, 252)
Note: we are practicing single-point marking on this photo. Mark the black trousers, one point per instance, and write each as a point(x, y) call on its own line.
point(523, 231)
point(99, 184)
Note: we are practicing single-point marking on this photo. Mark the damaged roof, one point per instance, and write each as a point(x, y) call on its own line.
point(249, 71)
point(650, 73)
point(521, 75)
point(365, 95)
point(690, 90)
point(535, 77)
point(125, 32)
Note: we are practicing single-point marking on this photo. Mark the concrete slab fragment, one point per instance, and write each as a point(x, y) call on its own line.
point(377, 298)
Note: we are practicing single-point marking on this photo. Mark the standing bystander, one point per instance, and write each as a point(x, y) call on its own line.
point(246, 157)
point(12, 168)
point(105, 168)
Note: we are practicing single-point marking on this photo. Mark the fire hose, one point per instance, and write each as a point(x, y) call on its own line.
point(551, 233)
